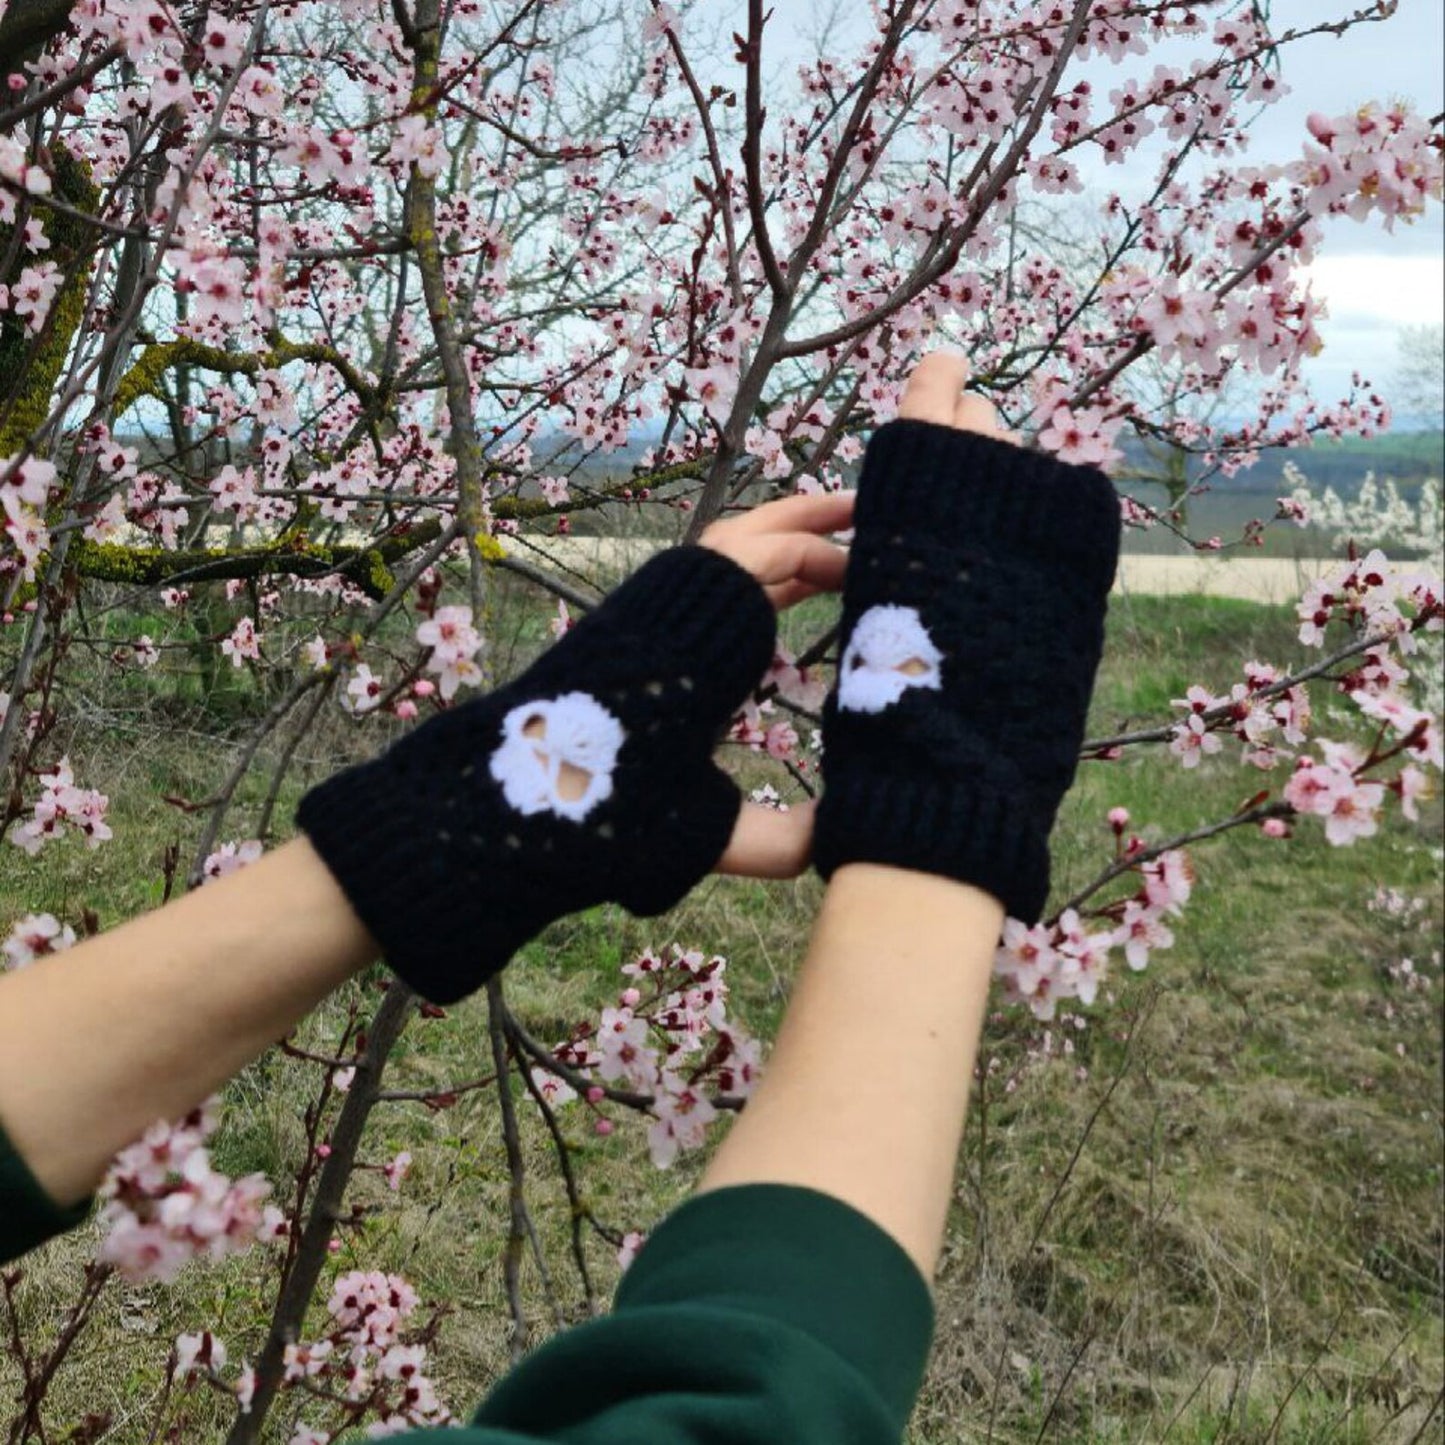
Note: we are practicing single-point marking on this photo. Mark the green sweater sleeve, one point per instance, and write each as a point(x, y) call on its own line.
point(28, 1216)
point(753, 1316)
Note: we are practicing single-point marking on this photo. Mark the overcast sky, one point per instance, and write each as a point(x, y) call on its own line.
point(1374, 282)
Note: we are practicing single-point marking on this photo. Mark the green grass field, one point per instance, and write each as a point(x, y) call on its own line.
point(1207, 1209)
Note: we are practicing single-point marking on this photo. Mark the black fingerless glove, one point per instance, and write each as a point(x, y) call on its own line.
point(589, 779)
point(973, 623)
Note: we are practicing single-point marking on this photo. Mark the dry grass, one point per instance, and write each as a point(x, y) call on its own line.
point(1230, 1230)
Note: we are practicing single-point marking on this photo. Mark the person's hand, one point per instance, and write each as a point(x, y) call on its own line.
point(784, 545)
point(588, 779)
point(973, 623)
point(934, 392)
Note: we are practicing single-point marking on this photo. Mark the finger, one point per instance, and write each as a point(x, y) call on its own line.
point(784, 595)
point(792, 557)
point(976, 413)
point(817, 512)
point(933, 388)
point(769, 844)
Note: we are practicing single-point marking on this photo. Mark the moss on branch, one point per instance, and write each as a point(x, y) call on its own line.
point(368, 568)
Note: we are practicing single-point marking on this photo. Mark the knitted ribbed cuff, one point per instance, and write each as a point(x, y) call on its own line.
point(939, 485)
point(959, 829)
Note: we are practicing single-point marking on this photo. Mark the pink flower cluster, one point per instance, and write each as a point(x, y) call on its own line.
point(62, 804)
point(230, 858)
point(25, 487)
point(1335, 791)
point(244, 643)
point(164, 1204)
point(1380, 161)
point(1374, 592)
point(36, 936)
point(669, 1037)
point(365, 1361)
point(1258, 718)
point(454, 644)
point(31, 295)
point(1063, 959)
point(203, 1356)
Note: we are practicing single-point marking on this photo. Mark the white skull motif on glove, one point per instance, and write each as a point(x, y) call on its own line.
point(889, 652)
point(557, 756)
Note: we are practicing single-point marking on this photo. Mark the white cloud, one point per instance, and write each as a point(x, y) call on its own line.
point(1389, 291)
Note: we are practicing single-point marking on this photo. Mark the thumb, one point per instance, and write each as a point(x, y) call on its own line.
point(767, 843)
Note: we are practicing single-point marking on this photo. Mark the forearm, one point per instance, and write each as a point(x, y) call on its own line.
point(866, 1089)
point(145, 1021)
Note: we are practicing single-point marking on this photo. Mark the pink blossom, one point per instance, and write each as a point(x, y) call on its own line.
point(1026, 956)
point(681, 1116)
point(1313, 788)
point(1168, 881)
point(32, 295)
point(363, 691)
point(369, 1306)
point(230, 858)
point(1413, 787)
point(199, 1354)
point(415, 142)
point(1085, 956)
point(35, 936)
point(1392, 709)
point(554, 1090)
point(632, 1241)
point(306, 1361)
point(244, 643)
point(223, 42)
point(1192, 740)
point(164, 1204)
point(1085, 438)
point(454, 643)
point(1141, 931)
point(396, 1170)
point(622, 1041)
point(62, 803)
point(1178, 317)
point(714, 386)
point(1354, 813)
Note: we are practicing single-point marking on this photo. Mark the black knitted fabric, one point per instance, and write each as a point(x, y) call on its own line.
point(1007, 557)
point(451, 878)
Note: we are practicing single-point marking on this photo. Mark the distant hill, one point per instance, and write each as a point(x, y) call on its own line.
point(1409, 457)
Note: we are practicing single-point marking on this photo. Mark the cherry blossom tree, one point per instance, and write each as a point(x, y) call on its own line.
point(311, 314)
